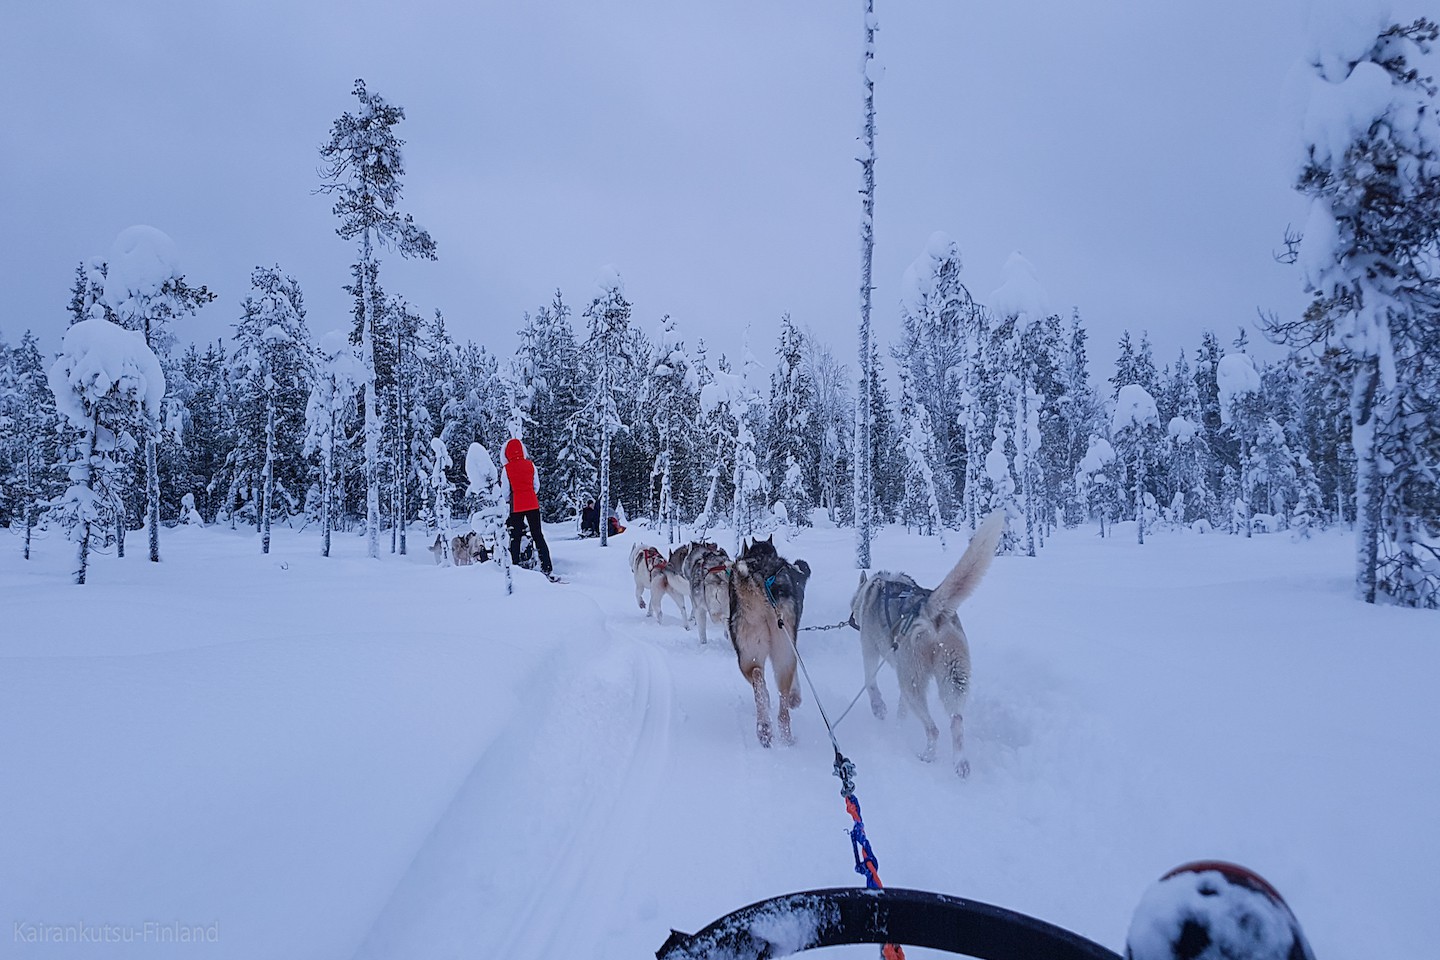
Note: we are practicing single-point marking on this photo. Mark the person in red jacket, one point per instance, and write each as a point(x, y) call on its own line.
point(519, 485)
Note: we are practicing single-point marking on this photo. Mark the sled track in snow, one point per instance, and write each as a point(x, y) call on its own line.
point(622, 783)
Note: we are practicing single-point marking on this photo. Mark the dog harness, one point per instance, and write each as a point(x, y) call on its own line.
point(653, 560)
point(900, 605)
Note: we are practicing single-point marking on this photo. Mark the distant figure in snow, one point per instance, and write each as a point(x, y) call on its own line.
point(518, 485)
point(590, 519)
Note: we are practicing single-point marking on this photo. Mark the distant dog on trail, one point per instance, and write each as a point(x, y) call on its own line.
point(464, 550)
point(652, 573)
point(705, 569)
point(917, 631)
point(767, 597)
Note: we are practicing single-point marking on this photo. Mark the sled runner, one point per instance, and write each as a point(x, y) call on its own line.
point(1199, 910)
point(789, 924)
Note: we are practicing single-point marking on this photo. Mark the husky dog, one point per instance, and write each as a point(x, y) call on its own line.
point(917, 631)
point(460, 550)
point(652, 573)
point(465, 549)
point(767, 597)
point(706, 568)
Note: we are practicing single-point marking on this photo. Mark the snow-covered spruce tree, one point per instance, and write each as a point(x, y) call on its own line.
point(1095, 480)
point(489, 517)
point(1242, 413)
point(363, 169)
point(672, 394)
point(1370, 165)
point(1077, 409)
point(440, 488)
point(143, 291)
point(409, 428)
point(273, 372)
point(1022, 305)
point(974, 417)
point(1053, 474)
point(609, 321)
point(920, 507)
point(864, 425)
point(833, 419)
point(1187, 448)
point(1135, 427)
point(632, 449)
point(338, 376)
point(938, 318)
point(791, 453)
point(29, 431)
point(545, 368)
point(107, 385)
point(717, 433)
point(886, 483)
point(207, 435)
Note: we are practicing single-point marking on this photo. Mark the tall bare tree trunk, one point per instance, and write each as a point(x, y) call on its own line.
point(372, 416)
point(864, 482)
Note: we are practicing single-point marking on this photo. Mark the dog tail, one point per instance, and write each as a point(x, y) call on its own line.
point(962, 581)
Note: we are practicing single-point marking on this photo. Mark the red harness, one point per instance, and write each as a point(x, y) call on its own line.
point(653, 560)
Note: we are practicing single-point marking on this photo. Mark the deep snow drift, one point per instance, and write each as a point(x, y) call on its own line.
point(289, 756)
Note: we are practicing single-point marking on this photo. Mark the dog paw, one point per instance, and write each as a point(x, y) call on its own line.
point(962, 768)
point(763, 733)
point(642, 604)
point(928, 755)
point(877, 707)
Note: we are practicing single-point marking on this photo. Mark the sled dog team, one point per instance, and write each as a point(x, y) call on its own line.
point(760, 596)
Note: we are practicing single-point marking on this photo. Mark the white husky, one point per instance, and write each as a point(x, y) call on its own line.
point(652, 573)
point(917, 631)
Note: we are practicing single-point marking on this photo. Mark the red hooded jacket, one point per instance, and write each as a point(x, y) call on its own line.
point(520, 474)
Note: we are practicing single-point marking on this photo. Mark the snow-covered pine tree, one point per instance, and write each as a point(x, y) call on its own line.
point(144, 290)
point(978, 405)
point(886, 484)
point(338, 377)
point(435, 466)
point(108, 385)
point(672, 394)
point(547, 379)
point(1135, 427)
point(632, 449)
point(750, 515)
point(833, 417)
point(718, 430)
point(273, 372)
point(1095, 480)
point(791, 453)
point(29, 431)
point(609, 323)
point(1022, 305)
point(1077, 409)
point(363, 169)
point(1242, 413)
point(938, 318)
point(489, 518)
point(1370, 165)
point(920, 507)
point(409, 428)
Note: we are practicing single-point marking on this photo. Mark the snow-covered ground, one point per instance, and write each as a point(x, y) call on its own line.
point(289, 756)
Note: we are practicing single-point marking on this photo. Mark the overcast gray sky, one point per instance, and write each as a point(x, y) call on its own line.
point(1131, 150)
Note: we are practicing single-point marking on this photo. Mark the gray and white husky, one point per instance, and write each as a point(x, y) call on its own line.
point(705, 568)
point(917, 631)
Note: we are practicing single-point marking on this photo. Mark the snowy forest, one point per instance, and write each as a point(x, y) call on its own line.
point(983, 402)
